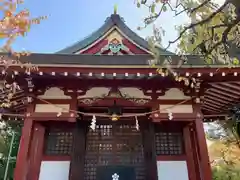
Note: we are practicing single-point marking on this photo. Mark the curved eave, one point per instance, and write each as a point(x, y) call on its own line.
point(67, 60)
point(114, 20)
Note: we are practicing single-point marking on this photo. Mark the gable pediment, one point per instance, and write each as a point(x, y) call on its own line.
point(113, 38)
point(114, 42)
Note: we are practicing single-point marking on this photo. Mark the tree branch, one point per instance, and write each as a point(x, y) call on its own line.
point(224, 39)
point(198, 23)
point(201, 5)
point(212, 35)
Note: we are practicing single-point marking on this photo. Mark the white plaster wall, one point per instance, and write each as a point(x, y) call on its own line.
point(54, 170)
point(174, 94)
point(48, 108)
point(171, 170)
point(176, 109)
point(54, 93)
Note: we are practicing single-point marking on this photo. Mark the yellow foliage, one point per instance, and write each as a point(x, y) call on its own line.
point(14, 23)
point(219, 149)
point(209, 34)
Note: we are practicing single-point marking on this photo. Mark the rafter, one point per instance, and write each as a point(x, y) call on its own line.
point(224, 93)
point(230, 85)
point(214, 102)
point(226, 89)
point(218, 96)
point(218, 100)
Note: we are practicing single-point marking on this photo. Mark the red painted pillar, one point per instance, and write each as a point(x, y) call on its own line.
point(189, 149)
point(203, 150)
point(195, 147)
point(200, 139)
point(205, 171)
point(36, 151)
point(22, 158)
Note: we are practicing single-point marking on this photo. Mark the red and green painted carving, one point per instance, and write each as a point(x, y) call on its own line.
point(114, 47)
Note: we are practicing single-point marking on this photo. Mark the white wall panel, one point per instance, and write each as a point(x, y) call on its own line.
point(54, 170)
point(172, 170)
point(176, 109)
point(49, 108)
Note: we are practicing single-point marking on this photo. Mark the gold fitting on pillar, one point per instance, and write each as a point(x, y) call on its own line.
point(198, 100)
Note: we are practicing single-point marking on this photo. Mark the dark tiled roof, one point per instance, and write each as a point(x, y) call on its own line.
point(84, 59)
point(113, 20)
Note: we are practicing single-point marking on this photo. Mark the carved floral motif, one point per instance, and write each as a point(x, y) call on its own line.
point(89, 101)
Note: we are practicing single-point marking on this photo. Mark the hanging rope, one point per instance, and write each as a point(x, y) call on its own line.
point(124, 115)
point(108, 116)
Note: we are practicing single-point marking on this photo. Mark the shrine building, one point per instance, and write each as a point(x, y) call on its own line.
point(97, 110)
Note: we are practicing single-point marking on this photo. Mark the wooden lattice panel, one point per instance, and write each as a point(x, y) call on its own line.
point(114, 144)
point(169, 143)
point(58, 142)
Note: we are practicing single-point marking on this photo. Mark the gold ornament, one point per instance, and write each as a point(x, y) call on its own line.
point(235, 61)
point(115, 117)
point(115, 9)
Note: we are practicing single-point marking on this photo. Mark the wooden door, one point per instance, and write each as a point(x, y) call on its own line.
point(114, 143)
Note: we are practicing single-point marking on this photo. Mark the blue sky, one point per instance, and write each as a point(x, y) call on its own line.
point(71, 20)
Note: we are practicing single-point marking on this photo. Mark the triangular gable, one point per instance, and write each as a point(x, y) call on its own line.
point(113, 42)
point(113, 38)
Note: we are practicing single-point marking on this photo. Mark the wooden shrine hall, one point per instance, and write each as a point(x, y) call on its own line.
point(97, 110)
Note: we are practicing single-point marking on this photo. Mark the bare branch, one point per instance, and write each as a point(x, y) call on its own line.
point(175, 8)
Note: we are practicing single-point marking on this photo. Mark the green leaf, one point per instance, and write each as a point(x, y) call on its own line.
point(153, 7)
point(235, 61)
point(209, 60)
point(138, 4)
point(164, 8)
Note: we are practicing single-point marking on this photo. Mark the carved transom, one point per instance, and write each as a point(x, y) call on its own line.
point(130, 94)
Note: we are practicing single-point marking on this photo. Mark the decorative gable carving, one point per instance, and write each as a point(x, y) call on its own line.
point(113, 28)
point(113, 42)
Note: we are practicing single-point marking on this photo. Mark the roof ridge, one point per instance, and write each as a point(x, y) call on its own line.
point(113, 20)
